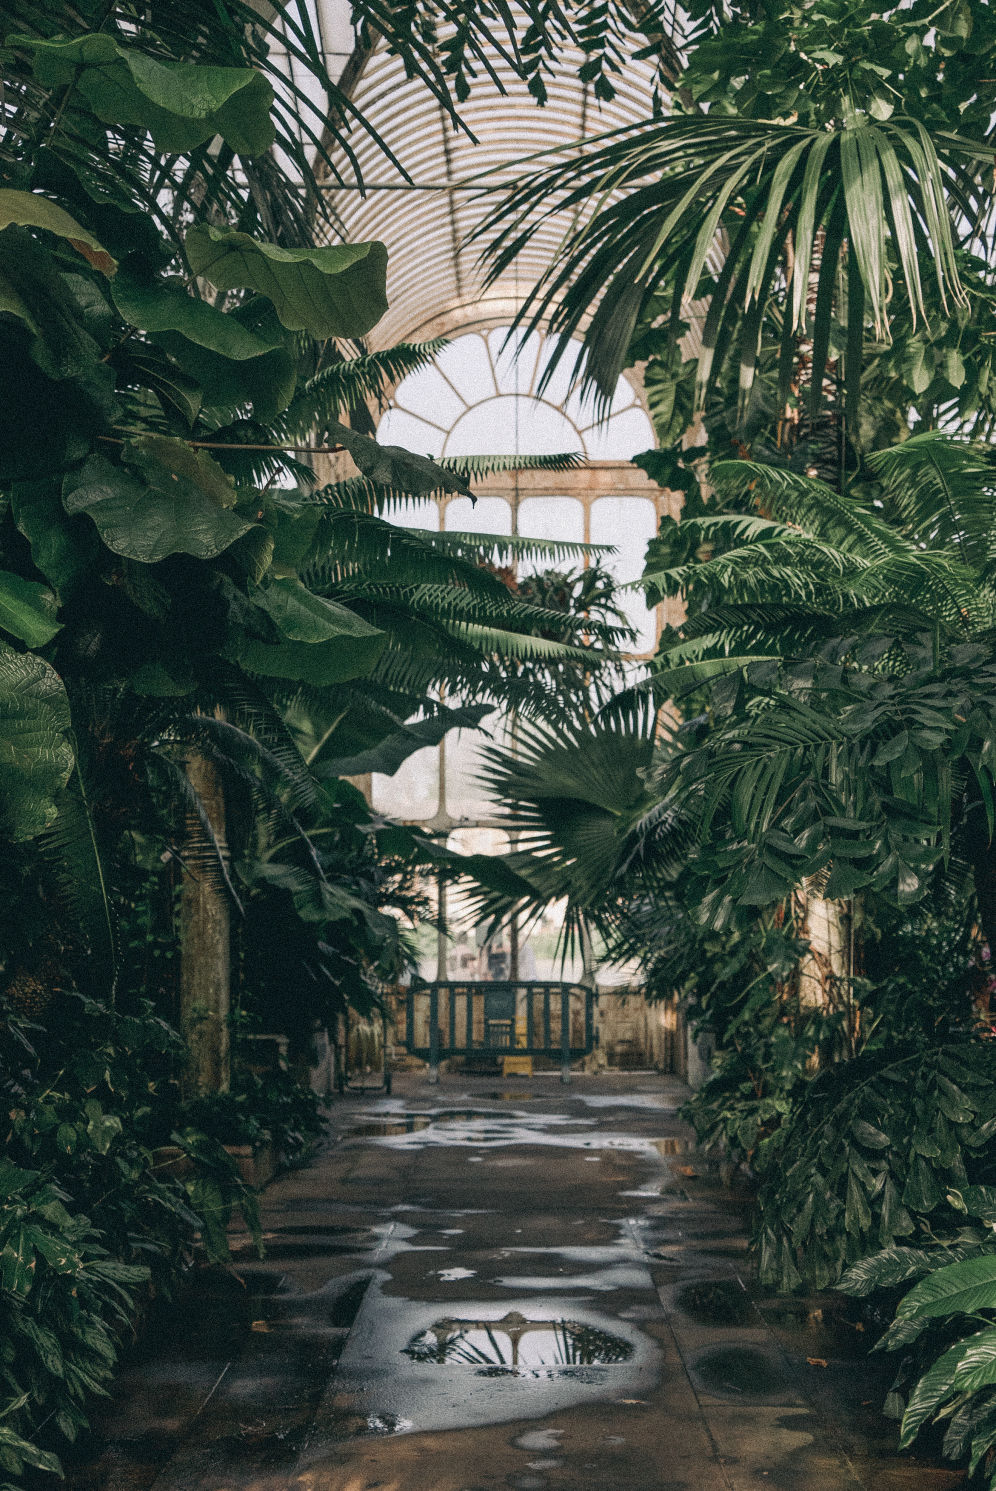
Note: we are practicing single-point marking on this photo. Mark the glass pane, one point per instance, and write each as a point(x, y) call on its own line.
point(552, 518)
point(541, 952)
point(412, 793)
point(515, 364)
point(621, 437)
point(468, 367)
point(628, 523)
point(427, 393)
point(469, 955)
point(513, 425)
point(399, 428)
point(466, 793)
point(487, 515)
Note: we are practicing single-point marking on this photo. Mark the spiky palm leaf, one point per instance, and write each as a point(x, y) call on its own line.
point(775, 204)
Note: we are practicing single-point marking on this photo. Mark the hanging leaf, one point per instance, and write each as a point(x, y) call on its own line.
point(29, 210)
point(36, 755)
point(337, 291)
point(181, 104)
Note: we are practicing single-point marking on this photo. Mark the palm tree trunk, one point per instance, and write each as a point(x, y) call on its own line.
point(205, 953)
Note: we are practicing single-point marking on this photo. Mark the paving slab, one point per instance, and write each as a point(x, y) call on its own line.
point(473, 1287)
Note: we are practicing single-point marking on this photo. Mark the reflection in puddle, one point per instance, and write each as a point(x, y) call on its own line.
point(517, 1347)
point(452, 1275)
point(387, 1423)
point(388, 1128)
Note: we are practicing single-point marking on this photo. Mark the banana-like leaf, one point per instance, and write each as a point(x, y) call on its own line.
point(960, 1289)
point(180, 502)
point(181, 104)
point(337, 291)
point(36, 752)
point(29, 210)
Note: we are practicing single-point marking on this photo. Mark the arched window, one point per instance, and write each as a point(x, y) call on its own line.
point(485, 395)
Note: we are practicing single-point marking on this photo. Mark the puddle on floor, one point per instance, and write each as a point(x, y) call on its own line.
point(739, 1372)
point(479, 1128)
point(717, 1302)
point(518, 1347)
point(388, 1128)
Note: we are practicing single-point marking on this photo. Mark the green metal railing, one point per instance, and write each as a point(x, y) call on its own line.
point(499, 1017)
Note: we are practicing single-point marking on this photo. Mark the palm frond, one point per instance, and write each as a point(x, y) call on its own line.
point(652, 203)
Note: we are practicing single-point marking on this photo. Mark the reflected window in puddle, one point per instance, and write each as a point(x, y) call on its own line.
point(517, 1347)
point(386, 1128)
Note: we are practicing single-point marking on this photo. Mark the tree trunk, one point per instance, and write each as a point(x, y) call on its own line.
point(205, 954)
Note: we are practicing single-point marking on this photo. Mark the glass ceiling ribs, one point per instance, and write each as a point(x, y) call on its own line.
point(434, 277)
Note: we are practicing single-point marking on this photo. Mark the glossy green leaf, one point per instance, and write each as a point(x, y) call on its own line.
point(27, 610)
point(29, 210)
point(36, 752)
point(181, 104)
point(337, 291)
point(305, 617)
point(961, 1288)
point(177, 502)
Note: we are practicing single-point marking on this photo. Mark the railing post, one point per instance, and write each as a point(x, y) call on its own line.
point(433, 1033)
point(565, 1033)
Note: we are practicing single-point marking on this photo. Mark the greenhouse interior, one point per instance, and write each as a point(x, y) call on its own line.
point(498, 746)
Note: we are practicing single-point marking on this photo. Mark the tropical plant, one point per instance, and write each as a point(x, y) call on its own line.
point(790, 209)
point(947, 1375)
point(846, 639)
point(912, 1135)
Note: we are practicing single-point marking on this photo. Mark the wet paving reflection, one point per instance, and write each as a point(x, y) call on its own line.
point(515, 1346)
point(584, 1319)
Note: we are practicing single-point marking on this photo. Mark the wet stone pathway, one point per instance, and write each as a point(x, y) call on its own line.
point(478, 1286)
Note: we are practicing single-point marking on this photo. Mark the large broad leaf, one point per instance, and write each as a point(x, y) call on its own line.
point(959, 1289)
point(27, 610)
point(393, 467)
point(232, 363)
point(178, 503)
point(335, 291)
point(36, 756)
point(62, 550)
point(29, 210)
point(349, 655)
point(305, 617)
point(391, 753)
point(164, 305)
point(181, 104)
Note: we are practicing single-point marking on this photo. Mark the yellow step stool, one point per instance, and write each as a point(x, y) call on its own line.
point(517, 1066)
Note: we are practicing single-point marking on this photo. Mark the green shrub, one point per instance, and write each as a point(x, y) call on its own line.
point(879, 1150)
point(946, 1324)
point(271, 1107)
point(64, 1303)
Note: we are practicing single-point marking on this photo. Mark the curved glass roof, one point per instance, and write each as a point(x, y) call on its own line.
point(434, 277)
